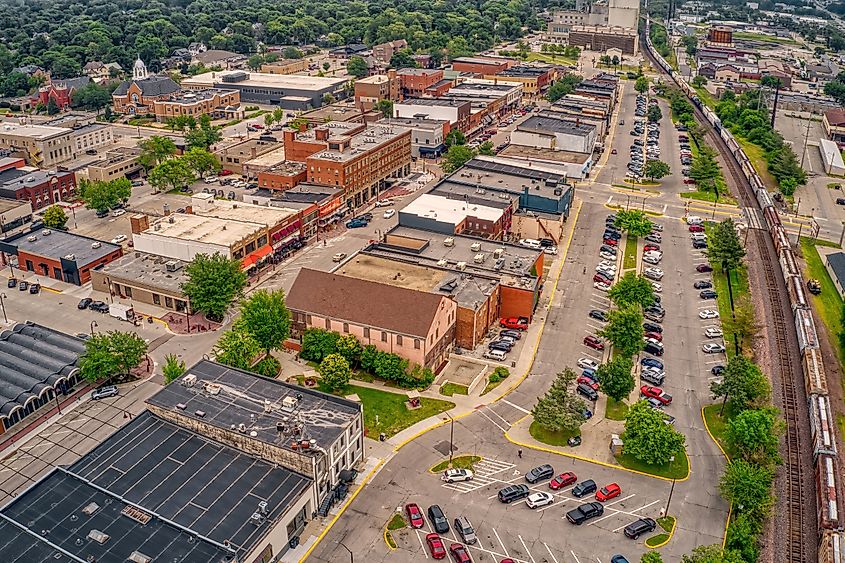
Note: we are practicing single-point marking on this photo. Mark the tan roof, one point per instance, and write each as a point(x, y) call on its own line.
point(364, 302)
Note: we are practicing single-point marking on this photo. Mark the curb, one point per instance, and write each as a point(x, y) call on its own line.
point(728, 458)
point(431, 469)
point(670, 532)
point(387, 543)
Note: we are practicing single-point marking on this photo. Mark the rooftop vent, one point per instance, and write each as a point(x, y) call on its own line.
point(449, 242)
point(70, 257)
point(442, 263)
point(46, 232)
point(479, 258)
point(172, 265)
point(136, 514)
point(96, 245)
point(138, 557)
point(98, 536)
point(213, 388)
point(476, 246)
point(32, 238)
point(181, 406)
point(90, 509)
point(461, 266)
point(200, 414)
point(498, 253)
point(189, 380)
point(290, 402)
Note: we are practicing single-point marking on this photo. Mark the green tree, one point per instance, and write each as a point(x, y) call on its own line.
point(104, 195)
point(328, 99)
point(724, 248)
point(385, 107)
point(349, 347)
point(318, 343)
point(52, 106)
point(699, 81)
point(155, 150)
point(743, 323)
point(743, 383)
point(741, 537)
point(486, 148)
point(292, 53)
point(55, 217)
point(615, 377)
point(237, 349)
point(92, 96)
point(705, 169)
point(402, 59)
point(634, 222)
point(201, 161)
point(712, 554)
point(455, 137)
point(656, 169)
point(213, 284)
point(357, 67)
point(654, 114)
point(457, 156)
point(748, 487)
point(265, 316)
point(624, 329)
point(560, 410)
point(171, 174)
point(651, 557)
point(632, 289)
point(326, 66)
point(641, 85)
point(278, 115)
point(173, 368)
point(648, 438)
point(754, 434)
point(268, 120)
point(110, 354)
point(334, 371)
point(563, 87)
point(205, 135)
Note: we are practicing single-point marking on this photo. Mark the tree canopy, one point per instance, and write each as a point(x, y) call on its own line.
point(560, 410)
point(564, 86)
point(632, 289)
point(634, 222)
point(748, 487)
point(109, 354)
point(101, 195)
point(615, 377)
point(155, 150)
point(214, 283)
point(754, 434)
point(335, 372)
point(656, 169)
point(265, 316)
point(724, 247)
point(171, 174)
point(743, 383)
point(237, 348)
point(648, 438)
point(55, 217)
point(624, 329)
point(457, 156)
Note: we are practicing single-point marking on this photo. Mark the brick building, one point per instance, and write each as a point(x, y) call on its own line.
point(60, 91)
point(219, 104)
point(140, 94)
point(482, 65)
point(385, 51)
point(415, 81)
point(41, 188)
point(369, 90)
point(598, 38)
point(282, 176)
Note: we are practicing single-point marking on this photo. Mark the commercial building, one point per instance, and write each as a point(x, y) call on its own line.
point(535, 80)
point(92, 136)
point(834, 124)
point(555, 133)
point(440, 214)
point(282, 176)
point(414, 82)
point(482, 65)
point(831, 158)
point(385, 51)
point(321, 206)
point(39, 365)
point(58, 254)
point(599, 38)
point(720, 35)
point(120, 162)
point(573, 165)
point(599, 13)
point(216, 103)
point(415, 325)
point(255, 166)
point(456, 112)
point(285, 66)
point(144, 278)
point(585, 110)
point(138, 96)
point(427, 135)
point(40, 188)
point(235, 156)
point(218, 57)
point(344, 111)
point(15, 215)
point(834, 262)
point(40, 145)
point(288, 91)
point(369, 90)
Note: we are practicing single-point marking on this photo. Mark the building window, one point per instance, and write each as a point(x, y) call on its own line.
point(345, 328)
point(156, 299)
point(127, 291)
point(308, 319)
point(384, 336)
point(328, 324)
point(416, 343)
point(399, 340)
point(366, 332)
point(168, 302)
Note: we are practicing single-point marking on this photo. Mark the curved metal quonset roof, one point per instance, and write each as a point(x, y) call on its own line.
point(33, 358)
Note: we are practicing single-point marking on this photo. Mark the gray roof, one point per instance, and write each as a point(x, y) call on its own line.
point(33, 358)
point(152, 86)
point(544, 125)
point(837, 264)
point(73, 83)
point(60, 245)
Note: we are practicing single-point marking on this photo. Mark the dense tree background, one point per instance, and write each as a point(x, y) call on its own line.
point(62, 35)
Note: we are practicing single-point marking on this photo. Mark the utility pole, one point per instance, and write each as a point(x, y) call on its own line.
point(806, 135)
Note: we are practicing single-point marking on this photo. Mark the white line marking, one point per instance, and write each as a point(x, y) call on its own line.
point(481, 412)
point(574, 556)
point(419, 537)
point(505, 549)
point(643, 507)
point(620, 500)
point(526, 548)
point(517, 407)
point(503, 419)
point(550, 552)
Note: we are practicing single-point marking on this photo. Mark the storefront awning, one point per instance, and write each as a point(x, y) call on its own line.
point(256, 256)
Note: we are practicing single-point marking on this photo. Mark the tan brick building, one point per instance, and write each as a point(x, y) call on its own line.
point(219, 104)
point(369, 90)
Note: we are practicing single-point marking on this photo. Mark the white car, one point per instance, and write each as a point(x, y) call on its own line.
point(694, 220)
point(652, 258)
point(712, 348)
point(657, 287)
point(384, 203)
point(550, 250)
point(698, 236)
point(609, 271)
point(713, 332)
point(338, 257)
point(654, 372)
point(389, 213)
point(653, 273)
point(708, 314)
point(587, 363)
point(211, 180)
point(118, 212)
point(607, 255)
point(601, 286)
point(457, 475)
point(536, 500)
point(118, 239)
point(656, 227)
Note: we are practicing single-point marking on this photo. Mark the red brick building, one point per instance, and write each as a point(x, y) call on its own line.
point(61, 91)
point(40, 187)
point(415, 81)
point(482, 65)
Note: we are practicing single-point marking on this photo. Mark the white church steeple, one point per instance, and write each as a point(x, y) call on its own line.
point(139, 70)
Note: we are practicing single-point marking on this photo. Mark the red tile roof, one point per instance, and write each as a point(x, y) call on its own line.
point(835, 117)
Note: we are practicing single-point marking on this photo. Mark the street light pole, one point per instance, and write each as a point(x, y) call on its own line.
point(93, 324)
point(668, 502)
point(451, 437)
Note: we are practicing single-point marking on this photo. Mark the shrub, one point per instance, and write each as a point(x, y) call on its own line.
point(268, 367)
point(499, 374)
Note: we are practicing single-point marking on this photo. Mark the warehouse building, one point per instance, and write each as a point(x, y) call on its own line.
point(288, 91)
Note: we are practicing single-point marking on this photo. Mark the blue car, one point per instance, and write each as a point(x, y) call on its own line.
point(355, 224)
point(652, 363)
point(591, 373)
point(618, 559)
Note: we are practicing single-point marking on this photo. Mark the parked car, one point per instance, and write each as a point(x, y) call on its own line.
point(708, 294)
point(83, 303)
point(501, 344)
point(655, 377)
point(513, 492)
point(516, 323)
point(536, 500)
point(713, 332)
point(699, 244)
point(642, 526)
point(355, 224)
point(540, 473)
point(105, 392)
point(585, 512)
point(509, 333)
point(601, 286)
point(593, 342)
point(588, 381)
point(703, 268)
point(438, 520)
point(23, 285)
point(587, 391)
point(702, 284)
point(712, 348)
point(653, 348)
point(717, 370)
point(465, 530)
point(650, 391)
point(706, 314)
point(34, 288)
point(588, 363)
point(415, 515)
point(338, 257)
point(608, 492)
point(435, 546)
point(389, 213)
point(459, 553)
point(457, 475)
point(653, 273)
point(496, 355)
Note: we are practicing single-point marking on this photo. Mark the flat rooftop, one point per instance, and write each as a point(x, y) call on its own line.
point(35, 132)
point(8, 204)
point(59, 244)
point(545, 124)
point(453, 211)
point(336, 129)
point(287, 167)
point(375, 79)
point(431, 102)
point(334, 112)
point(486, 88)
point(416, 71)
point(246, 212)
point(528, 153)
point(210, 230)
point(498, 176)
point(193, 96)
point(232, 79)
point(270, 158)
point(14, 178)
point(148, 269)
point(365, 141)
point(416, 122)
point(482, 60)
point(524, 71)
point(239, 398)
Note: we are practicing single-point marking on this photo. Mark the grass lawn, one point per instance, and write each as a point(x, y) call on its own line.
point(453, 388)
point(548, 58)
point(677, 469)
point(460, 462)
point(616, 410)
point(717, 424)
point(709, 197)
point(395, 523)
point(490, 386)
point(739, 283)
point(548, 437)
point(749, 36)
point(668, 525)
point(828, 303)
point(629, 262)
point(390, 410)
point(705, 96)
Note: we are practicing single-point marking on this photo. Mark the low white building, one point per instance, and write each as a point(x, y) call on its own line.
point(545, 132)
point(832, 158)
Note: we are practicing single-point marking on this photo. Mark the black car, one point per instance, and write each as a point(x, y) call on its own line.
point(599, 315)
point(717, 370)
point(34, 288)
point(366, 216)
point(608, 248)
point(99, 306)
point(615, 235)
point(84, 303)
point(586, 391)
point(584, 488)
point(708, 294)
point(503, 345)
point(653, 349)
point(547, 242)
point(438, 520)
point(697, 244)
point(652, 327)
point(840, 201)
point(515, 334)
point(703, 284)
point(102, 213)
point(513, 492)
point(540, 473)
point(584, 512)
point(641, 526)
point(12, 282)
point(23, 285)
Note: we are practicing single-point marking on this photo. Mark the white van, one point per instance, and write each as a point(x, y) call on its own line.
point(531, 243)
point(694, 220)
point(497, 355)
point(698, 236)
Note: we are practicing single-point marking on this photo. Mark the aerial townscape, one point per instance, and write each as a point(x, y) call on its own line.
point(311, 282)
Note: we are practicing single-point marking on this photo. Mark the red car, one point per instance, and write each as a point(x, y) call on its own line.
point(655, 335)
point(611, 242)
point(415, 515)
point(603, 279)
point(563, 480)
point(258, 126)
point(460, 553)
point(650, 247)
point(225, 172)
point(703, 268)
point(594, 385)
point(656, 393)
point(593, 342)
point(516, 323)
point(689, 180)
point(435, 546)
point(696, 229)
point(606, 493)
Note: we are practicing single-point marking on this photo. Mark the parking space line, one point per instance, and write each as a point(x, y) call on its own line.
point(620, 500)
point(552, 555)
point(574, 556)
point(419, 537)
point(505, 549)
point(526, 548)
point(481, 412)
point(517, 407)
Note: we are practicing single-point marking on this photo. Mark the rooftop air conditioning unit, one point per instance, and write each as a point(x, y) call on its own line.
point(46, 232)
point(70, 257)
point(449, 242)
point(172, 265)
point(98, 536)
point(96, 245)
point(213, 388)
point(32, 238)
point(479, 258)
point(189, 380)
point(290, 402)
point(476, 246)
point(461, 266)
point(441, 263)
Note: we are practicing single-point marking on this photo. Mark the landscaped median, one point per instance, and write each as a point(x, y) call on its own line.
point(458, 462)
point(678, 468)
point(668, 524)
point(629, 262)
point(395, 523)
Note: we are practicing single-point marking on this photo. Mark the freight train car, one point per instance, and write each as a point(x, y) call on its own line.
point(826, 493)
point(821, 426)
point(815, 379)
